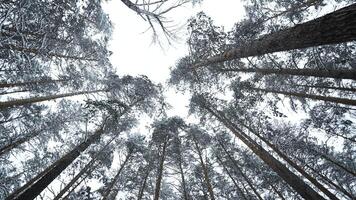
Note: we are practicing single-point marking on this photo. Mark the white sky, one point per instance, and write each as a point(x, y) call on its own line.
point(134, 53)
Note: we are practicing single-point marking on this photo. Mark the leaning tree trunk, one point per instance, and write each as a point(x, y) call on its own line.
point(87, 169)
point(27, 83)
point(160, 171)
point(237, 167)
point(205, 171)
point(280, 195)
point(111, 188)
point(310, 96)
point(324, 30)
point(21, 102)
point(142, 189)
point(325, 73)
point(294, 165)
point(344, 89)
point(36, 185)
point(293, 180)
point(232, 178)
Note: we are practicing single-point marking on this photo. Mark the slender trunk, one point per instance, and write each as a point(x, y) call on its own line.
point(160, 171)
point(293, 180)
point(87, 168)
point(35, 186)
point(12, 92)
point(232, 178)
point(330, 182)
point(205, 171)
point(337, 74)
point(21, 102)
point(280, 195)
point(185, 194)
point(75, 179)
point(295, 166)
point(142, 189)
point(237, 167)
point(14, 118)
point(345, 89)
point(310, 96)
point(324, 30)
point(111, 189)
point(5, 149)
point(39, 82)
point(322, 155)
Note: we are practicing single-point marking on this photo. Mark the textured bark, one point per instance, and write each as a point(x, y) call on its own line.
point(142, 189)
point(344, 101)
point(5, 149)
point(295, 166)
point(293, 180)
point(111, 189)
point(160, 171)
point(237, 167)
point(39, 82)
point(232, 178)
point(36, 185)
point(21, 102)
point(324, 30)
point(205, 171)
point(330, 73)
point(185, 193)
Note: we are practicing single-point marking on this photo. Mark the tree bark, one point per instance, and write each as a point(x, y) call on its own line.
point(160, 171)
point(293, 180)
point(324, 30)
point(295, 166)
point(142, 189)
point(345, 89)
point(21, 102)
point(38, 82)
point(237, 167)
point(111, 188)
point(185, 194)
point(310, 96)
point(330, 73)
point(205, 171)
point(232, 178)
point(36, 185)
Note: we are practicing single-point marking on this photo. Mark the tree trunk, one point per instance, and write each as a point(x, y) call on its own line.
point(21, 102)
point(335, 163)
point(324, 30)
point(142, 189)
point(294, 165)
point(345, 89)
point(87, 169)
point(277, 192)
point(205, 171)
point(39, 82)
point(35, 186)
point(237, 167)
point(18, 142)
point(160, 171)
point(111, 189)
point(185, 194)
point(310, 96)
point(232, 178)
point(331, 73)
point(293, 180)
point(14, 91)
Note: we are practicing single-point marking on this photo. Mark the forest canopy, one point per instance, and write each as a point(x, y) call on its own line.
point(272, 104)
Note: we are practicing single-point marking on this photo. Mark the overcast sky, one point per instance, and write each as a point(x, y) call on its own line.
point(134, 53)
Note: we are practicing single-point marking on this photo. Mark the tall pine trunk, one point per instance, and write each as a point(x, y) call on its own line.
point(237, 167)
point(330, 73)
point(294, 165)
point(21, 102)
point(310, 96)
point(345, 89)
point(160, 171)
point(293, 180)
point(143, 185)
point(185, 193)
point(205, 171)
point(231, 177)
point(324, 30)
point(36, 185)
point(111, 189)
point(38, 82)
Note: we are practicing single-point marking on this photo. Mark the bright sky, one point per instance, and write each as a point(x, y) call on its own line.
point(134, 53)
